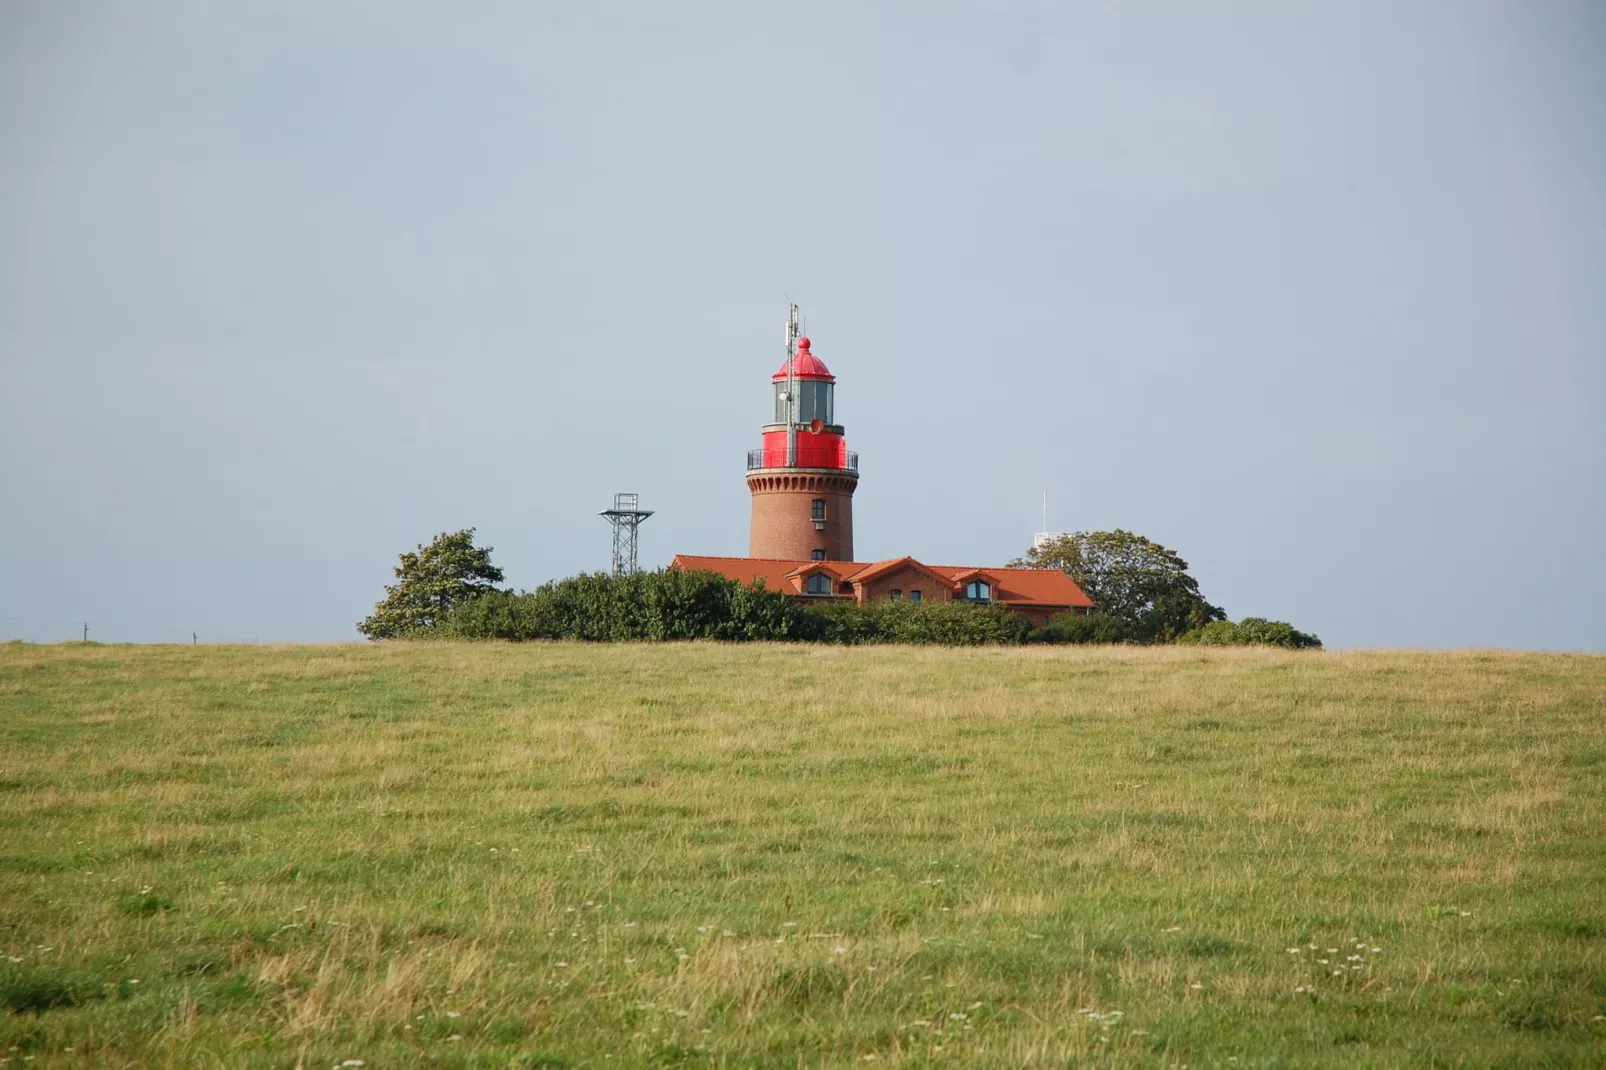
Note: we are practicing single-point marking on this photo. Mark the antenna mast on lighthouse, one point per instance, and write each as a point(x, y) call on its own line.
point(791, 385)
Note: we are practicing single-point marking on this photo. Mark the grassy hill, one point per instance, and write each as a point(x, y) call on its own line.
point(558, 855)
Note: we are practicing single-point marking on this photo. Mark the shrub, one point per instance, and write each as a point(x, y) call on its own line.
point(921, 623)
point(1093, 628)
point(648, 606)
point(499, 615)
point(676, 604)
point(1251, 631)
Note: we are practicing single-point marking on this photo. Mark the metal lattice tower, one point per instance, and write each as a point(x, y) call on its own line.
point(625, 516)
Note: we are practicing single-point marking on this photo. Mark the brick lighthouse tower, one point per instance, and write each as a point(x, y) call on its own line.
point(802, 479)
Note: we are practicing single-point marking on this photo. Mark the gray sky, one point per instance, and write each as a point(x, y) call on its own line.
point(1313, 293)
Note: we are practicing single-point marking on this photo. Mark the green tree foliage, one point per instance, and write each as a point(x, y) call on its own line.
point(1135, 580)
point(1252, 631)
point(431, 582)
point(1093, 628)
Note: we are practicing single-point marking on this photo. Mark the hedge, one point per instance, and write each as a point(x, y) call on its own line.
point(679, 604)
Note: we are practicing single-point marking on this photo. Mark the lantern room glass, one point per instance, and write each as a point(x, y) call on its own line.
point(815, 401)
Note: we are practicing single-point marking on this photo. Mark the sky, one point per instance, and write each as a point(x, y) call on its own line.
point(1314, 294)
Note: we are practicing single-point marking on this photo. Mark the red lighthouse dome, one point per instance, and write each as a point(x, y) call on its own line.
point(808, 366)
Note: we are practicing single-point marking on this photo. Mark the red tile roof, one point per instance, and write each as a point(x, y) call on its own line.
point(1024, 586)
point(1013, 586)
point(881, 568)
point(772, 571)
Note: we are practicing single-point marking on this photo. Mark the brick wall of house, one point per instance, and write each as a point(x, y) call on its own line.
point(906, 580)
point(783, 522)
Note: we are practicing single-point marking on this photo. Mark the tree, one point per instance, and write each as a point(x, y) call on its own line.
point(431, 582)
point(1135, 580)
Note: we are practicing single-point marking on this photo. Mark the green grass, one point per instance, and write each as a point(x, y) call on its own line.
point(698, 855)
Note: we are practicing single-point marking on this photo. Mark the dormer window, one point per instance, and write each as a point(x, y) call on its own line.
point(979, 591)
point(819, 583)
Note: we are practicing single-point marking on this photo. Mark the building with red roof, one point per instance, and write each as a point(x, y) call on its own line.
point(802, 481)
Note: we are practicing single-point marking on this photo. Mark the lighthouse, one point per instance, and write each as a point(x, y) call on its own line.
point(803, 477)
point(800, 544)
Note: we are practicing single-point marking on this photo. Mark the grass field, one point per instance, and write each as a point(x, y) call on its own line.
point(557, 855)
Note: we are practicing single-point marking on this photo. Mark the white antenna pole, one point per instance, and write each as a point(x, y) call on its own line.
point(1045, 510)
point(791, 386)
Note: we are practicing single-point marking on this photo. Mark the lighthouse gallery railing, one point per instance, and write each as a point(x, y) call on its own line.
point(755, 459)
